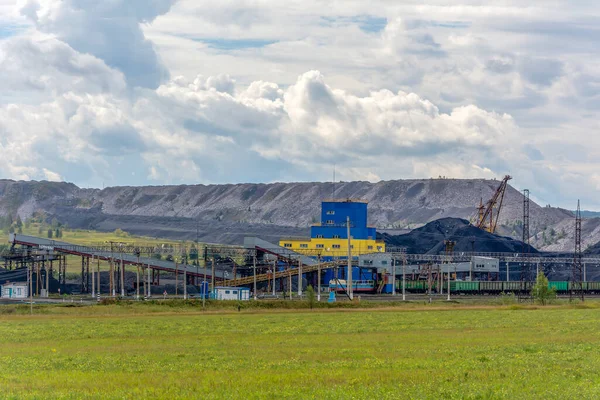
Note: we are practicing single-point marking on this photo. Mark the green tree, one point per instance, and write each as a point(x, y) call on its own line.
point(541, 291)
point(50, 233)
point(310, 296)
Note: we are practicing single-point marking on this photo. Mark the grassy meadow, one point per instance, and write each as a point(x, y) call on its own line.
point(126, 351)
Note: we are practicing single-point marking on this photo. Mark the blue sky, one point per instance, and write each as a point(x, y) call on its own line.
point(130, 92)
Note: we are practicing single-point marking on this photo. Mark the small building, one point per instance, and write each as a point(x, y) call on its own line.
point(231, 293)
point(15, 290)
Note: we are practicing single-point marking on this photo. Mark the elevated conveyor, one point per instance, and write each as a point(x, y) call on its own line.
point(309, 264)
point(107, 255)
point(255, 243)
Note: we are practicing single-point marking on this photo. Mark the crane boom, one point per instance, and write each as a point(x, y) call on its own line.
point(487, 212)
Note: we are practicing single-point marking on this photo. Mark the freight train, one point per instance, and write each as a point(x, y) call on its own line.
point(492, 287)
point(462, 287)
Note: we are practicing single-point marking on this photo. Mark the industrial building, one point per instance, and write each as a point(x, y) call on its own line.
point(15, 290)
point(231, 293)
point(329, 238)
point(479, 268)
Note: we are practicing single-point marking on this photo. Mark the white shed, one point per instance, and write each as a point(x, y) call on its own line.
point(15, 290)
point(231, 293)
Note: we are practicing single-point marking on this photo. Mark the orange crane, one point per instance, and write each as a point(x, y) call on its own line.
point(487, 217)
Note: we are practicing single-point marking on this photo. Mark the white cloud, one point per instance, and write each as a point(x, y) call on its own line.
point(110, 30)
point(416, 89)
point(51, 176)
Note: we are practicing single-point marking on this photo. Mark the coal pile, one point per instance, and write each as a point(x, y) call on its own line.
point(430, 238)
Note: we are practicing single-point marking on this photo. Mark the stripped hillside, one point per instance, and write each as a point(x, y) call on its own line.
point(225, 213)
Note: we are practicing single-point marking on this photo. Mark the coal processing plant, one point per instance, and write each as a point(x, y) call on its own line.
point(342, 258)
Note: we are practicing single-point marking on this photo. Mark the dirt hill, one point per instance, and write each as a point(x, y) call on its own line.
point(430, 238)
point(225, 213)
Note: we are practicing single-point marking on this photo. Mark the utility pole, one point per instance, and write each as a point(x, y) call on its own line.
point(176, 279)
point(404, 277)
point(30, 278)
point(393, 276)
point(449, 250)
point(349, 277)
point(254, 272)
point(48, 279)
point(93, 281)
point(274, 270)
point(448, 273)
point(149, 281)
point(290, 278)
point(213, 274)
point(299, 276)
point(319, 278)
point(98, 261)
point(137, 278)
point(112, 277)
point(526, 267)
point(185, 282)
point(122, 271)
point(577, 269)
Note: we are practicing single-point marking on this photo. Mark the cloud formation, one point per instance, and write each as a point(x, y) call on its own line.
point(109, 30)
point(267, 91)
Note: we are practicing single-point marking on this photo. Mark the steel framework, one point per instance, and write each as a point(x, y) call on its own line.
point(577, 269)
point(488, 219)
point(527, 274)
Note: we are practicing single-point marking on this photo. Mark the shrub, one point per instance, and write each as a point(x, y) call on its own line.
point(310, 296)
point(541, 292)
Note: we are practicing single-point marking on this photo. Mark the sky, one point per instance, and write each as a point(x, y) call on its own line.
point(153, 92)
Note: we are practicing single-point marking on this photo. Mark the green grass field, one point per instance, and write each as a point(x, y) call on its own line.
point(121, 351)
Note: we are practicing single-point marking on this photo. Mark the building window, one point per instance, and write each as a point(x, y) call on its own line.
point(227, 292)
point(320, 246)
point(351, 246)
point(330, 212)
point(336, 236)
point(329, 222)
point(304, 245)
point(336, 246)
point(287, 245)
point(235, 292)
point(379, 248)
point(384, 262)
point(370, 248)
point(319, 237)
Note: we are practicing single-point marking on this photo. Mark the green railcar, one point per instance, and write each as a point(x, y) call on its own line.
point(464, 286)
point(572, 285)
point(561, 286)
point(490, 286)
point(514, 286)
point(414, 286)
point(593, 287)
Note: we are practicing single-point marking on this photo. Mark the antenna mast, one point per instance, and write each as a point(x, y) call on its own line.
point(333, 190)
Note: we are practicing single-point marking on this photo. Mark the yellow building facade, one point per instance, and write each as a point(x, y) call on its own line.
point(329, 239)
